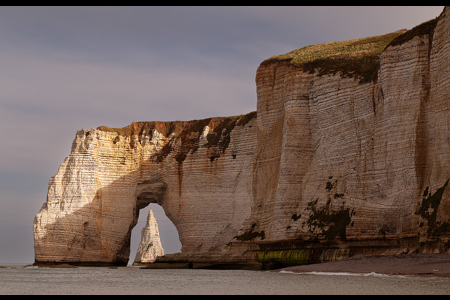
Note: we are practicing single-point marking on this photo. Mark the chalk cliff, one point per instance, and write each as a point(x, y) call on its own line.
point(150, 246)
point(197, 171)
point(344, 155)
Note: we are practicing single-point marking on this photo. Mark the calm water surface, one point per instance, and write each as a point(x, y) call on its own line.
point(132, 280)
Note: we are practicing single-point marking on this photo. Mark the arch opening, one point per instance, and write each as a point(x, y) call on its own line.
point(167, 231)
point(149, 196)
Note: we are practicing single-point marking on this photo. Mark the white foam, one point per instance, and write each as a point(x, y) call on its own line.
point(35, 267)
point(374, 274)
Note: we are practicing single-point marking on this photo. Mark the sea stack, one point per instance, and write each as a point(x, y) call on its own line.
point(150, 246)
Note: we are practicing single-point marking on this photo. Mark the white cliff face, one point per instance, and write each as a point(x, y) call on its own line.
point(83, 219)
point(150, 246)
point(339, 159)
point(328, 161)
point(197, 171)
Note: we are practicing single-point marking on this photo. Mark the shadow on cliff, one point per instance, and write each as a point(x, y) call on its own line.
point(99, 233)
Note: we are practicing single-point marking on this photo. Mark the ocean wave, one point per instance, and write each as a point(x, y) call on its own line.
point(35, 267)
point(373, 274)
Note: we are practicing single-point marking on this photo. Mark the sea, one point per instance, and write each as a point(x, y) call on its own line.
point(30, 280)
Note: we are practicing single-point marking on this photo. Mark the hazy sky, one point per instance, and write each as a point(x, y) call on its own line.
point(67, 68)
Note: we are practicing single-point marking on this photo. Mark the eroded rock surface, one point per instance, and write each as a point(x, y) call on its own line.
point(197, 171)
point(329, 166)
point(150, 246)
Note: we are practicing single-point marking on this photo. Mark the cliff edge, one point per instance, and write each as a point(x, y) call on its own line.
point(347, 153)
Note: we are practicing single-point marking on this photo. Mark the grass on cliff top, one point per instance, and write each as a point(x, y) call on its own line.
point(424, 28)
point(357, 58)
point(168, 127)
point(219, 135)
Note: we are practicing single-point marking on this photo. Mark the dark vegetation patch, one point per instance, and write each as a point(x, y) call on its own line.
point(424, 28)
point(220, 135)
point(244, 119)
point(330, 221)
point(356, 58)
point(337, 195)
point(428, 210)
point(116, 139)
point(329, 185)
point(187, 133)
point(144, 128)
point(250, 235)
point(295, 217)
point(282, 258)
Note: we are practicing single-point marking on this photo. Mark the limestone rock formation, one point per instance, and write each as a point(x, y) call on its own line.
point(345, 155)
point(196, 170)
point(150, 246)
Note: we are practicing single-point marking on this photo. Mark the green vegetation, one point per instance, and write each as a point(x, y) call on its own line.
point(425, 28)
point(356, 58)
point(353, 58)
point(286, 257)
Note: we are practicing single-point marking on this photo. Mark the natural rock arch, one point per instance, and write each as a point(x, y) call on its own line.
point(332, 166)
point(97, 194)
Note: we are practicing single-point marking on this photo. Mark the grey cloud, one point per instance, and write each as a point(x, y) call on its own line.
point(47, 101)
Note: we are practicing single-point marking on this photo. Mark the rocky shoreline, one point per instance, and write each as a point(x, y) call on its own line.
point(435, 265)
